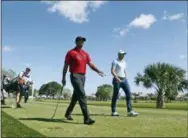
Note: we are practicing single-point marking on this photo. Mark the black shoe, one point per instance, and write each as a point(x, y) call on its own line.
point(18, 106)
point(89, 122)
point(68, 117)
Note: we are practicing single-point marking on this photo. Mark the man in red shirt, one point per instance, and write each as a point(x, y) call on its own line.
point(77, 59)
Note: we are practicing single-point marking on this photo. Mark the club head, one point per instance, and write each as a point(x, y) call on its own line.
point(14, 107)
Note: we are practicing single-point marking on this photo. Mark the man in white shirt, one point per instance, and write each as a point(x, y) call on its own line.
point(22, 79)
point(118, 71)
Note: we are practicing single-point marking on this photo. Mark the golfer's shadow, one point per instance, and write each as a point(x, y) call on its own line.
point(5, 106)
point(49, 120)
point(101, 114)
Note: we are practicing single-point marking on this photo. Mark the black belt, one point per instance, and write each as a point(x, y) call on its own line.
point(78, 73)
point(122, 78)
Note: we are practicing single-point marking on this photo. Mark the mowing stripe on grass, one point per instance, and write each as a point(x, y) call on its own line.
point(121, 103)
point(13, 128)
point(150, 122)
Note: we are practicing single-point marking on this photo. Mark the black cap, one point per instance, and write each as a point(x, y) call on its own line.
point(78, 38)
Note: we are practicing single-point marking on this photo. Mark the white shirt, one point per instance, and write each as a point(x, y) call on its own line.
point(120, 68)
point(25, 76)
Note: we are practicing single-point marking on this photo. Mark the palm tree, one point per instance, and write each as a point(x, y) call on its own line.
point(163, 77)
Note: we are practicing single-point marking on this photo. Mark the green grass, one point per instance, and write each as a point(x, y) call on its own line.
point(141, 104)
point(150, 122)
point(13, 128)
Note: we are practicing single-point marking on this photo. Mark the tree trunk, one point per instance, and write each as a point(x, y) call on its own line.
point(167, 100)
point(160, 100)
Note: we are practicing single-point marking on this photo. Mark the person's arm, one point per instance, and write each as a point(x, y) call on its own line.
point(29, 80)
point(93, 67)
point(28, 77)
point(113, 71)
point(125, 70)
point(21, 75)
point(65, 68)
point(21, 79)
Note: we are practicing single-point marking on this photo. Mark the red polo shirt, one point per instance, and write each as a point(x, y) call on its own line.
point(77, 59)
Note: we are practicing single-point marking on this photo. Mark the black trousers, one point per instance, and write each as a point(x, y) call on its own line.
point(26, 96)
point(78, 82)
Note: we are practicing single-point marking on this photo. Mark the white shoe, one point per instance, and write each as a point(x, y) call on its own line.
point(114, 114)
point(132, 113)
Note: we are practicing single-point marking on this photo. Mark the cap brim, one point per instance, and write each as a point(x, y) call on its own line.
point(84, 39)
point(123, 53)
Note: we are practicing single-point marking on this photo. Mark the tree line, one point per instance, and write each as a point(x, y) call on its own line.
point(167, 80)
point(53, 89)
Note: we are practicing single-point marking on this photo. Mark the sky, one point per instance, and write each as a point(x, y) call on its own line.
point(38, 35)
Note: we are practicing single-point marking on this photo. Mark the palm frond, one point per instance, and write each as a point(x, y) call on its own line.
point(183, 85)
point(162, 76)
point(138, 79)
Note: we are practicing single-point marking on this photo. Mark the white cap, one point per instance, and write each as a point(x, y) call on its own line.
point(122, 52)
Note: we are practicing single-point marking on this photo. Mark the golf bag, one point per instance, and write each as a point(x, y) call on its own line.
point(11, 86)
point(2, 97)
point(4, 83)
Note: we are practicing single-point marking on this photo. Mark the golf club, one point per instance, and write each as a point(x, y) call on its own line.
point(57, 102)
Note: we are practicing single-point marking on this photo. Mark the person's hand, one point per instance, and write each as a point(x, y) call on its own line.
point(118, 80)
point(63, 82)
point(101, 74)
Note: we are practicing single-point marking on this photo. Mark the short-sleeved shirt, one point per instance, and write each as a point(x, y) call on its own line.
point(77, 59)
point(26, 77)
point(120, 67)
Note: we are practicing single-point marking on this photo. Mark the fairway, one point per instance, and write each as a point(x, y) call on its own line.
point(150, 122)
point(175, 105)
point(13, 128)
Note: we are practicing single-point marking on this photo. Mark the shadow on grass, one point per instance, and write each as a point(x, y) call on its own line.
point(11, 127)
point(105, 115)
point(49, 120)
point(5, 106)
